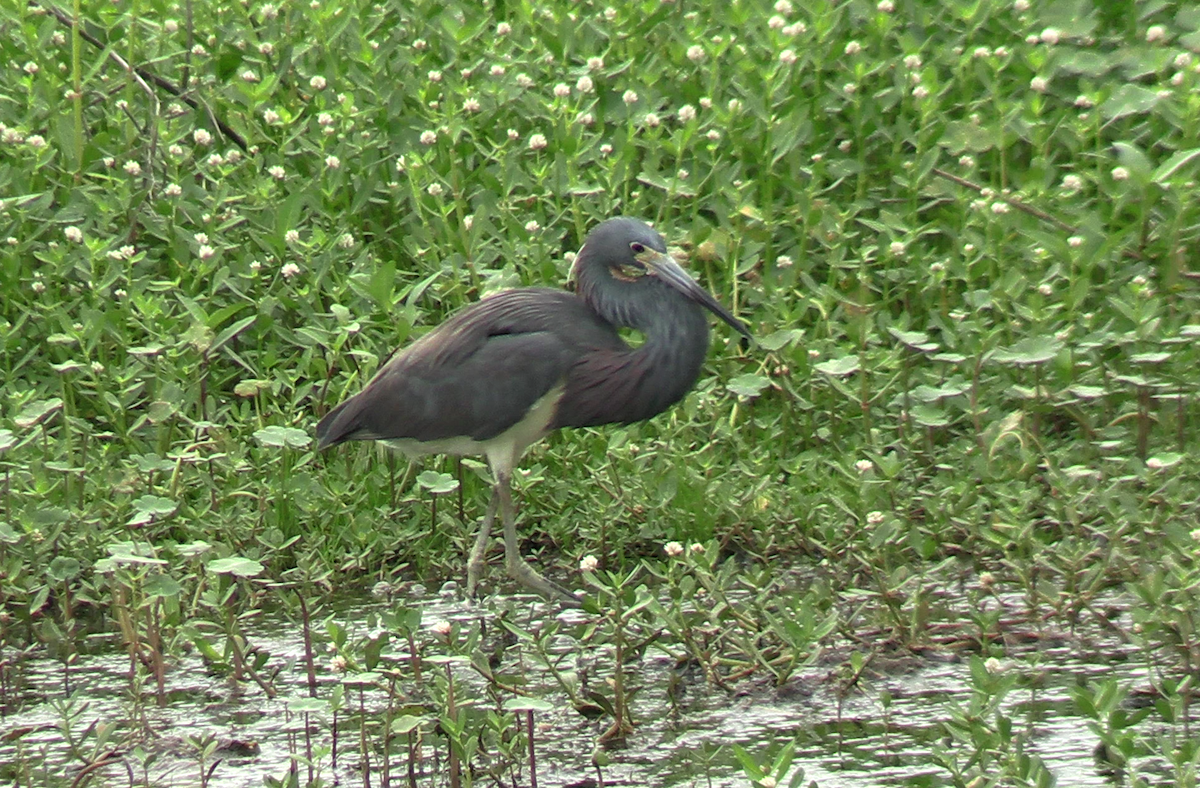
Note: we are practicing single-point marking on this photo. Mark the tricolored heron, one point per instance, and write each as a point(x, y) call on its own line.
point(503, 372)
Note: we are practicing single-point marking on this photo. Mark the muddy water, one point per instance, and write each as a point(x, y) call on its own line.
point(852, 742)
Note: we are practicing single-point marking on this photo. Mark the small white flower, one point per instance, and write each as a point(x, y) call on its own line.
point(38, 287)
point(1072, 183)
point(173, 190)
point(435, 76)
point(503, 29)
point(346, 241)
point(874, 518)
point(435, 190)
point(35, 141)
point(1075, 241)
point(687, 112)
point(784, 261)
point(1039, 84)
point(695, 53)
point(1155, 33)
point(1000, 208)
point(532, 226)
point(420, 44)
point(783, 7)
point(205, 252)
point(266, 48)
point(610, 13)
point(317, 83)
point(30, 68)
point(249, 76)
point(768, 782)
point(513, 134)
point(606, 149)
point(912, 62)
point(673, 549)
point(537, 142)
point(471, 105)
point(325, 119)
point(201, 238)
point(586, 119)
point(1051, 36)
point(289, 270)
point(589, 563)
point(787, 57)
point(469, 221)
point(524, 80)
point(1046, 289)
point(333, 162)
point(428, 137)
point(734, 106)
point(629, 97)
point(562, 90)
point(496, 70)
point(920, 92)
point(845, 145)
point(849, 88)
point(215, 160)
point(59, 38)
point(1021, 6)
point(585, 84)
point(1120, 174)
point(652, 120)
point(862, 466)
point(292, 236)
point(853, 48)
point(595, 63)
point(277, 172)
point(968, 248)
point(896, 248)
point(132, 167)
point(202, 137)
point(73, 234)
point(993, 665)
point(886, 6)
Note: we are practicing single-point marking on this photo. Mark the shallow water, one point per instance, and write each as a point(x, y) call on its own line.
point(855, 743)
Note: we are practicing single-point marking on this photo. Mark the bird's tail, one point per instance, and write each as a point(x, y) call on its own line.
point(338, 425)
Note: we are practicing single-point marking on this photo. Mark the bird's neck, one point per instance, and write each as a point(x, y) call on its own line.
point(675, 328)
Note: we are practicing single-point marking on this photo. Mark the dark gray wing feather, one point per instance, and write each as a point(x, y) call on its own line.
point(475, 375)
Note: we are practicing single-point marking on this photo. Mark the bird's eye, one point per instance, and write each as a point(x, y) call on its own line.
point(637, 247)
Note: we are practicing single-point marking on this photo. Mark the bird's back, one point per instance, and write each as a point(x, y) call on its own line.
point(477, 374)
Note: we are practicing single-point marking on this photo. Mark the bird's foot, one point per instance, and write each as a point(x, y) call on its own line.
point(527, 576)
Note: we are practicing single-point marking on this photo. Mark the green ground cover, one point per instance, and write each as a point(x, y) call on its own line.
point(964, 232)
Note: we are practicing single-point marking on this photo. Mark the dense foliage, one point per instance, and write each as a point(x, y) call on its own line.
point(963, 231)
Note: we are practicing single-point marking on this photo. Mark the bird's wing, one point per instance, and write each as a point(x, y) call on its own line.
point(475, 375)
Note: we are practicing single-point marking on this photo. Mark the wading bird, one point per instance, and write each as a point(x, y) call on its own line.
point(501, 373)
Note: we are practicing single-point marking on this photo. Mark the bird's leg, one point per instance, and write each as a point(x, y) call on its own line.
point(475, 562)
point(518, 568)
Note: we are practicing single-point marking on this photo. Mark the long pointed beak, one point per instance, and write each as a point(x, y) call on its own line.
point(665, 268)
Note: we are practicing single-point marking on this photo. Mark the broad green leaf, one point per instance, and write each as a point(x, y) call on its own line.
point(1129, 99)
point(279, 437)
point(236, 565)
point(748, 385)
point(839, 367)
point(36, 412)
point(1034, 350)
point(437, 482)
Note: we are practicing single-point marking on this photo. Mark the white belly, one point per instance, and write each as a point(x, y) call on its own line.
point(502, 451)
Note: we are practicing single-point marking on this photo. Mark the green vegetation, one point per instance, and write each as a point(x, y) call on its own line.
point(964, 231)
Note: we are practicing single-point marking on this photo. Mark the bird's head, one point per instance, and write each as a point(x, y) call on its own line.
point(630, 251)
